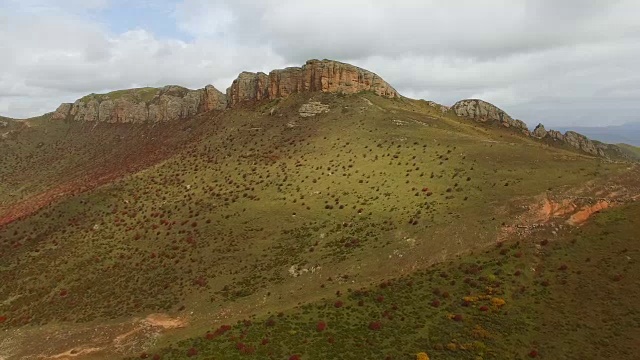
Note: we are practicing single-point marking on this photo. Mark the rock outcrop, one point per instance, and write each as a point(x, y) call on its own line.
point(4, 123)
point(443, 109)
point(316, 75)
point(62, 111)
point(143, 105)
point(483, 111)
point(577, 141)
point(313, 108)
point(539, 131)
point(583, 143)
point(174, 102)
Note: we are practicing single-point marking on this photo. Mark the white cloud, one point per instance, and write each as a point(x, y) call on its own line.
point(569, 62)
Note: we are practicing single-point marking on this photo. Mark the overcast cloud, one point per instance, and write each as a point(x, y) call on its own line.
point(563, 63)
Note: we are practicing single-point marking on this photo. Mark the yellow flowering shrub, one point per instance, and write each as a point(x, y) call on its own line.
point(498, 302)
point(422, 356)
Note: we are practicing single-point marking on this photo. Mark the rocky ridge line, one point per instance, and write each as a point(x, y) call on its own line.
point(483, 111)
point(174, 102)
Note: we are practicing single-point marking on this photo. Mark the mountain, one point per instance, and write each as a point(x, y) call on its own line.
point(312, 212)
point(627, 133)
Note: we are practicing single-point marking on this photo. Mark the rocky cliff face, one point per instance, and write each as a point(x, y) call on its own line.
point(141, 105)
point(173, 102)
point(483, 111)
point(316, 75)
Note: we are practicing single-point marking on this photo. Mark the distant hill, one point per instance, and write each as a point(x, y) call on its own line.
point(627, 133)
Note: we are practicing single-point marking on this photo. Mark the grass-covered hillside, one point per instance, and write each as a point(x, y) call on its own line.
point(632, 151)
point(267, 216)
point(558, 295)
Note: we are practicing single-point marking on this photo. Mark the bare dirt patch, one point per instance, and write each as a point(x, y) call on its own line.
point(88, 342)
point(586, 212)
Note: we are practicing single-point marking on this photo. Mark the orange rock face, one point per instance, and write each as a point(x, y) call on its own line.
point(316, 75)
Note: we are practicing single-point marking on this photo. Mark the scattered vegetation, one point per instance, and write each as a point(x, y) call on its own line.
point(318, 219)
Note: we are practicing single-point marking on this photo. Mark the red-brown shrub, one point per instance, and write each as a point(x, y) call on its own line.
point(192, 352)
point(321, 326)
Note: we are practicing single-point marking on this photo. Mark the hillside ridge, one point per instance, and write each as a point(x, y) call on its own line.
point(174, 102)
point(483, 111)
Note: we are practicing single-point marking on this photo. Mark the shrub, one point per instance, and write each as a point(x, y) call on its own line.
point(498, 302)
point(219, 331)
point(192, 352)
point(563, 267)
point(338, 304)
point(422, 356)
point(321, 326)
point(375, 325)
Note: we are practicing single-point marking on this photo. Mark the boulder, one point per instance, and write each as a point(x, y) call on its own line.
point(539, 131)
point(313, 108)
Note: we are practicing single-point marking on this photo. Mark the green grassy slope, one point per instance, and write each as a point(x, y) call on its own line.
point(556, 296)
point(239, 203)
point(144, 94)
point(44, 159)
point(631, 150)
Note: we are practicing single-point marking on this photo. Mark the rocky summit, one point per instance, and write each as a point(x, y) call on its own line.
point(316, 75)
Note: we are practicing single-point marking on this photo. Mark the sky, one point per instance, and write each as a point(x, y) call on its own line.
point(562, 63)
